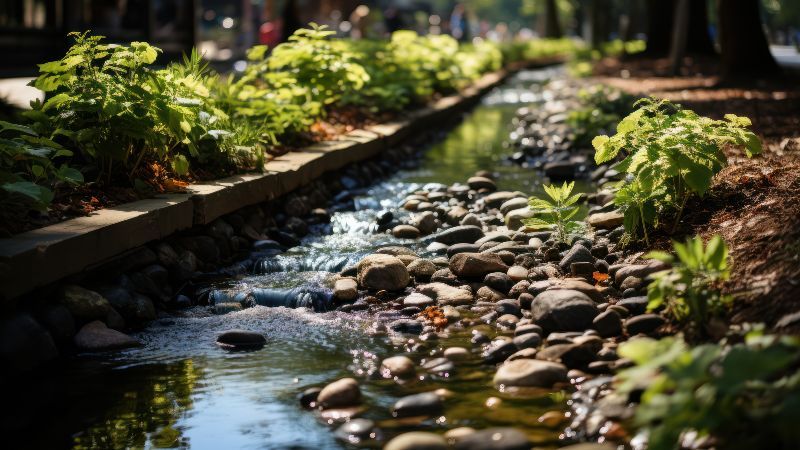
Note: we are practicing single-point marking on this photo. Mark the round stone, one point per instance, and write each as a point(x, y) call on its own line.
point(530, 373)
point(397, 366)
point(339, 394)
point(417, 440)
point(241, 340)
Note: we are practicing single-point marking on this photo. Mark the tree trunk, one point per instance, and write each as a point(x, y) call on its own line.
point(660, 17)
point(744, 47)
point(698, 39)
point(552, 28)
point(680, 34)
point(598, 22)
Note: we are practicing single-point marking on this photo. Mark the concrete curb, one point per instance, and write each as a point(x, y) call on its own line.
point(39, 257)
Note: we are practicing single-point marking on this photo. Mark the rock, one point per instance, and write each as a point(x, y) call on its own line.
point(83, 304)
point(397, 366)
point(496, 199)
point(456, 434)
point(634, 305)
point(575, 285)
point(520, 289)
point(345, 289)
point(417, 440)
point(58, 322)
point(494, 439)
point(563, 310)
point(512, 204)
point(485, 293)
point(638, 270)
point(605, 220)
point(467, 234)
point(456, 353)
point(471, 220)
point(424, 404)
point(498, 350)
point(340, 394)
point(425, 222)
point(498, 281)
point(589, 446)
point(382, 272)
point(422, 269)
point(308, 398)
point(517, 273)
point(419, 300)
point(571, 355)
point(439, 366)
point(530, 373)
point(24, 344)
point(578, 253)
point(528, 340)
point(240, 340)
point(444, 294)
point(528, 328)
point(443, 276)
point(455, 214)
point(405, 232)
point(479, 183)
point(515, 218)
point(396, 250)
point(135, 308)
point(644, 323)
point(560, 170)
point(508, 306)
point(95, 336)
point(356, 430)
point(608, 324)
point(407, 326)
point(472, 265)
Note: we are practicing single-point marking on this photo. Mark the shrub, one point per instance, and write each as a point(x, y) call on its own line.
point(690, 291)
point(29, 169)
point(602, 108)
point(117, 111)
point(671, 154)
point(740, 396)
point(556, 213)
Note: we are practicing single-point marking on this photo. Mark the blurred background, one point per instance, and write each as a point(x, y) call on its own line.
point(34, 31)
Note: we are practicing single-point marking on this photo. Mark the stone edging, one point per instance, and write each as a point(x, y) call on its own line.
point(45, 255)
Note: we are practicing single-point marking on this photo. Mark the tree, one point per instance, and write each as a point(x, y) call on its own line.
point(660, 15)
point(552, 27)
point(744, 47)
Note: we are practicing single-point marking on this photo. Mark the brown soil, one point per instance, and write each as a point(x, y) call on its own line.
point(754, 204)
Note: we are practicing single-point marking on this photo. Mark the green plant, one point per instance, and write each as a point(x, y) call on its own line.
point(557, 212)
point(118, 111)
point(601, 108)
point(671, 154)
point(690, 291)
point(325, 66)
point(741, 396)
point(28, 166)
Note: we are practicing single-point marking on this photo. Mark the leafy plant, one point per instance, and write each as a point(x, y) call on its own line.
point(670, 154)
point(326, 66)
point(602, 108)
point(118, 111)
point(689, 291)
point(740, 396)
point(557, 212)
point(28, 167)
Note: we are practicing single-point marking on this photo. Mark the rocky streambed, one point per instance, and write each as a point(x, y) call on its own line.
point(429, 316)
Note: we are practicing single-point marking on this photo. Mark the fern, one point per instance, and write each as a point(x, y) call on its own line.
point(557, 212)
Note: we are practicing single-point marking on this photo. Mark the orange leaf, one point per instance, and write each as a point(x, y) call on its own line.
point(600, 277)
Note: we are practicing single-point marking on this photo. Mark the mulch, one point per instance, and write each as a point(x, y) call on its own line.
point(754, 204)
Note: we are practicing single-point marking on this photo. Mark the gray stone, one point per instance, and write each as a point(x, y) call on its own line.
point(605, 220)
point(460, 234)
point(422, 269)
point(578, 253)
point(530, 373)
point(527, 340)
point(498, 350)
point(340, 394)
point(644, 323)
point(445, 294)
point(514, 203)
point(240, 340)
point(425, 404)
point(563, 310)
point(398, 366)
point(345, 289)
point(478, 183)
point(608, 323)
point(498, 281)
point(472, 265)
point(419, 300)
point(405, 232)
point(408, 326)
point(417, 440)
point(356, 430)
point(516, 218)
point(425, 222)
point(97, 337)
point(83, 304)
point(494, 439)
point(634, 305)
point(382, 272)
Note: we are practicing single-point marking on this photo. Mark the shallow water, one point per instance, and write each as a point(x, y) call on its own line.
point(180, 390)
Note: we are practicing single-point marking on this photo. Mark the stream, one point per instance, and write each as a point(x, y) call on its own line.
point(179, 390)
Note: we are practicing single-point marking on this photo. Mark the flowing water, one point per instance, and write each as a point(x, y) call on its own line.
point(180, 390)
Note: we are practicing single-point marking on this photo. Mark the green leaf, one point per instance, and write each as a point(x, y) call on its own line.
point(15, 127)
point(180, 165)
point(40, 194)
point(70, 174)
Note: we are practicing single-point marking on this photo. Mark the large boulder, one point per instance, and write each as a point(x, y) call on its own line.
point(563, 310)
point(473, 265)
point(382, 272)
point(444, 294)
point(530, 373)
